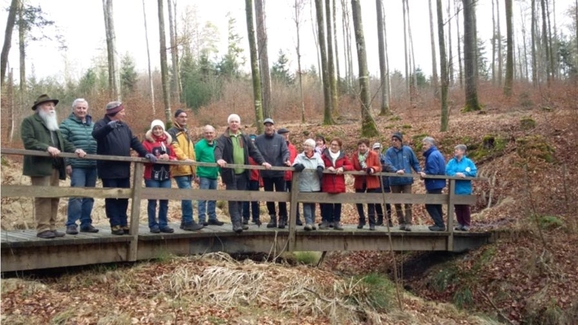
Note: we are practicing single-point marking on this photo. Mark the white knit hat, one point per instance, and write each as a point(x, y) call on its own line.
point(157, 123)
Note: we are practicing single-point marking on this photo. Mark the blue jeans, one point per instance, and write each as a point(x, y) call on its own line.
point(116, 208)
point(186, 205)
point(78, 207)
point(253, 205)
point(207, 206)
point(163, 205)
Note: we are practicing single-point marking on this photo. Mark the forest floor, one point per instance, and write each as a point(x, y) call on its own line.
point(526, 151)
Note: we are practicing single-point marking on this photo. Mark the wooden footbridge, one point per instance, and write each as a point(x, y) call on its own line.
point(22, 250)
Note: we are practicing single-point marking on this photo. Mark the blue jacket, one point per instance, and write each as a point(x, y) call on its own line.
point(435, 164)
point(405, 159)
point(466, 166)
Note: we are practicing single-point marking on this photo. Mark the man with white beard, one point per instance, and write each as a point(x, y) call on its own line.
point(40, 131)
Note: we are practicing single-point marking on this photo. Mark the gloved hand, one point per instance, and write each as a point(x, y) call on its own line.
point(151, 157)
point(299, 167)
point(369, 170)
point(320, 172)
point(113, 124)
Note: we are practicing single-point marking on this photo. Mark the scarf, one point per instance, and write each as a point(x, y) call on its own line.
point(334, 156)
point(362, 158)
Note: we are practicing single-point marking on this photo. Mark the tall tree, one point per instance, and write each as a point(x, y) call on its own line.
point(175, 83)
point(254, 66)
point(510, 50)
point(545, 42)
point(327, 118)
point(500, 51)
point(470, 57)
point(443, 69)
point(383, 73)
point(298, 7)
point(459, 37)
point(263, 56)
point(164, 65)
point(368, 126)
point(493, 65)
point(405, 48)
point(150, 75)
point(22, 50)
point(347, 44)
point(113, 73)
point(450, 56)
point(330, 59)
point(533, 40)
point(433, 52)
point(14, 5)
point(336, 52)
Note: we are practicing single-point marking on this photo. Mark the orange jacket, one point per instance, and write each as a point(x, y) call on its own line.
point(371, 161)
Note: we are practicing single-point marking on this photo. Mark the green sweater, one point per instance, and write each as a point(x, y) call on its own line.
point(205, 152)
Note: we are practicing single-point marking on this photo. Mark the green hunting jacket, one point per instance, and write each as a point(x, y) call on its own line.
point(80, 135)
point(36, 136)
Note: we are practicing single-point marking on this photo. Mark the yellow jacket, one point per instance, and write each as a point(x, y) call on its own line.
point(184, 149)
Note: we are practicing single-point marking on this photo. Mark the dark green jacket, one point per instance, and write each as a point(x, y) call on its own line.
point(36, 136)
point(80, 135)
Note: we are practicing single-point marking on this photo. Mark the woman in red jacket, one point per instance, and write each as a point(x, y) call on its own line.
point(158, 142)
point(367, 161)
point(336, 162)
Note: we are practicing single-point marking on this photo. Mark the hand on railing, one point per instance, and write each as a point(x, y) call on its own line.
point(299, 167)
point(151, 157)
point(54, 152)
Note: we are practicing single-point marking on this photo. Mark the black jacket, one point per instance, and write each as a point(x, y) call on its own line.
point(115, 142)
point(224, 150)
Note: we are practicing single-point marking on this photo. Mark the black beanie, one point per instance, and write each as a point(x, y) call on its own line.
point(178, 112)
point(398, 135)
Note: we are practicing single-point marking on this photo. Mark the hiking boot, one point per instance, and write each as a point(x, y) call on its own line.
point(71, 230)
point(47, 234)
point(89, 228)
point(245, 227)
point(337, 226)
point(402, 226)
point(57, 233)
point(245, 221)
point(215, 222)
point(257, 222)
point(282, 222)
point(125, 230)
point(331, 225)
point(192, 226)
point(437, 228)
point(459, 227)
point(116, 230)
point(308, 227)
point(298, 222)
point(167, 230)
point(324, 225)
point(360, 225)
point(238, 228)
point(407, 228)
point(155, 230)
point(371, 227)
point(465, 228)
point(273, 222)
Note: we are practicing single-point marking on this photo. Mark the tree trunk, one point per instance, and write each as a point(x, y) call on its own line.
point(533, 31)
point(500, 59)
point(327, 119)
point(551, 45)
point(150, 75)
point(164, 65)
point(510, 50)
point(545, 43)
point(336, 52)
point(113, 76)
point(12, 104)
point(405, 51)
point(330, 60)
point(493, 65)
point(263, 52)
point(298, 7)
point(175, 84)
point(434, 65)
point(470, 62)
point(412, 55)
point(443, 69)
point(368, 126)
point(460, 67)
point(22, 50)
point(347, 48)
point(383, 75)
point(8, 36)
point(254, 66)
point(450, 58)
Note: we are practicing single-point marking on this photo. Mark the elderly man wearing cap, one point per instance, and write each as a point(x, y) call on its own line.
point(115, 138)
point(289, 174)
point(40, 131)
point(274, 150)
point(184, 174)
point(77, 128)
point(234, 147)
point(403, 160)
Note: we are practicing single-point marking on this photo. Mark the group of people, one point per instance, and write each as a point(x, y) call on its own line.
point(325, 167)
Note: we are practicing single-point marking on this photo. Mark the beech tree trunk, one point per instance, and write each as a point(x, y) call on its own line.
point(383, 73)
point(175, 83)
point(298, 6)
point(263, 54)
point(500, 59)
point(330, 59)
point(510, 50)
point(460, 67)
point(450, 57)
point(470, 57)
point(22, 51)
point(150, 75)
point(368, 126)
point(443, 69)
point(533, 40)
point(113, 76)
point(327, 119)
point(164, 65)
point(8, 36)
point(254, 66)
point(545, 43)
point(434, 65)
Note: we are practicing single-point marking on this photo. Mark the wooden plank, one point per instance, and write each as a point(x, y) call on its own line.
point(61, 192)
point(135, 211)
point(451, 202)
point(293, 213)
point(378, 198)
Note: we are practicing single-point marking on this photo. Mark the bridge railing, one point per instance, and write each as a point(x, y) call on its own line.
point(138, 192)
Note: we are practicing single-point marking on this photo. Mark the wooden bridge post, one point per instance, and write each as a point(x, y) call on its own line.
point(293, 212)
point(451, 199)
point(135, 210)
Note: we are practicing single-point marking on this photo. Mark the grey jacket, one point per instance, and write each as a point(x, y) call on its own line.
point(274, 150)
